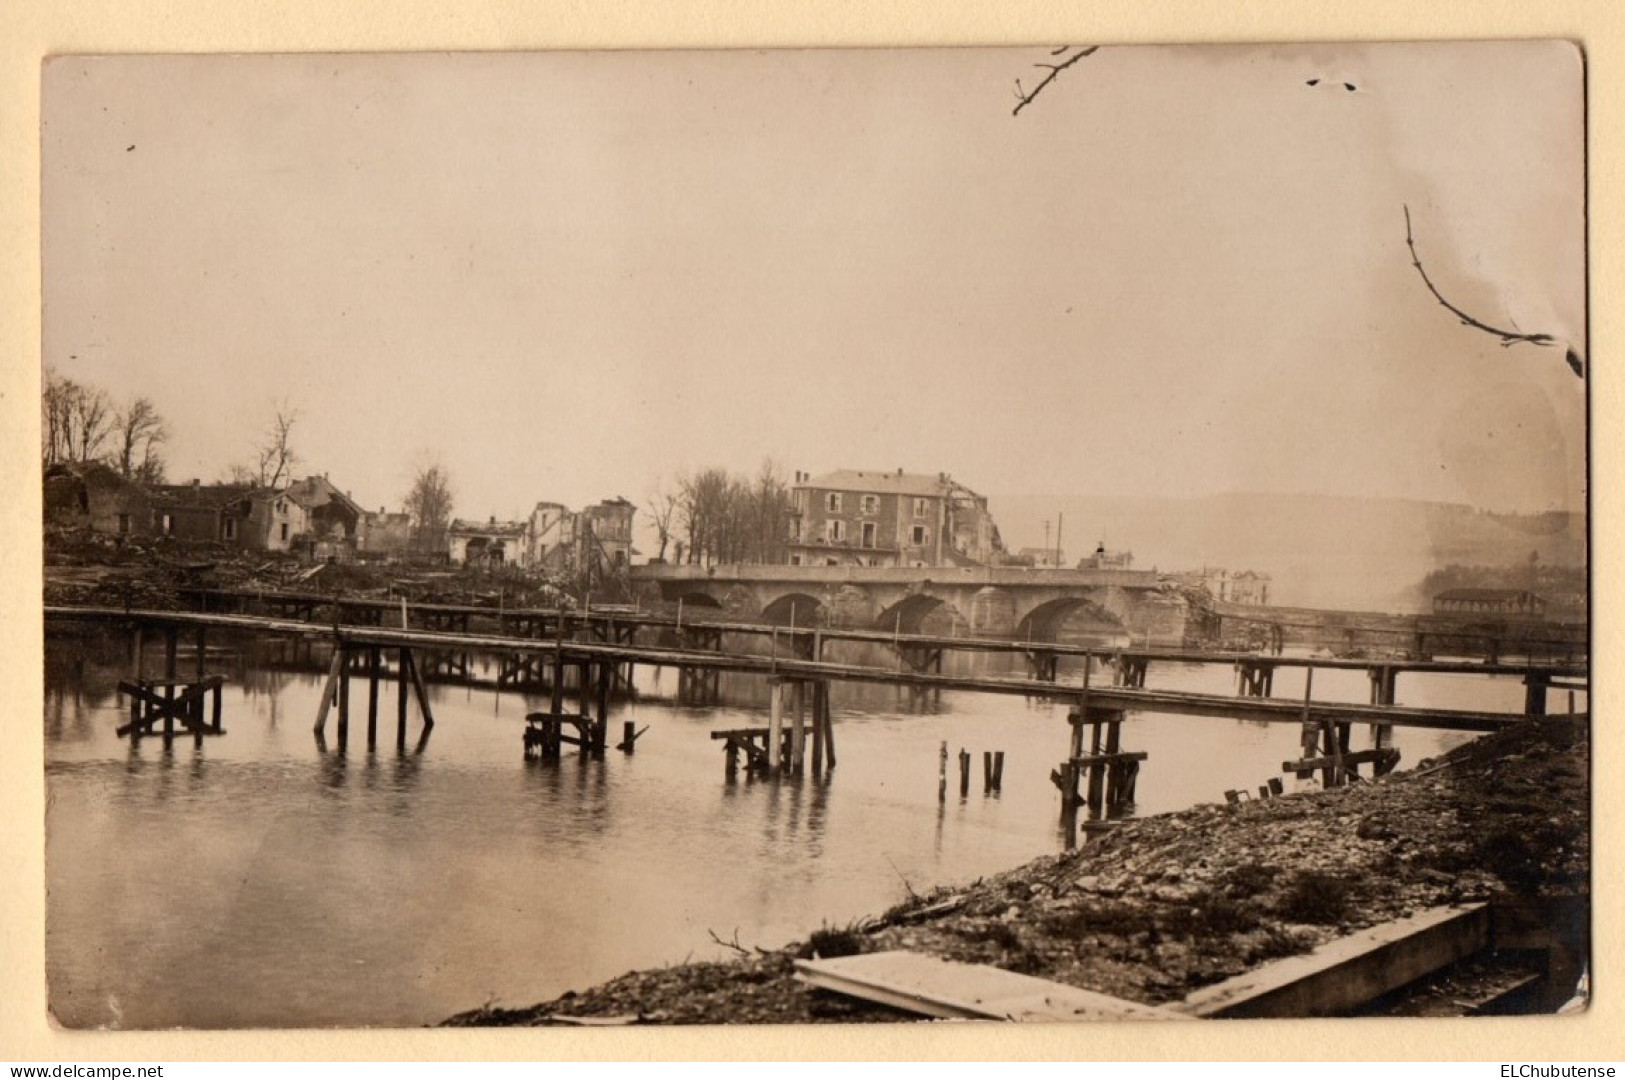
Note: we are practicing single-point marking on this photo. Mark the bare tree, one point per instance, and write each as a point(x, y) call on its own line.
point(1508, 337)
point(731, 519)
point(662, 511)
point(275, 457)
point(138, 432)
point(429, 503)
point(75, 420)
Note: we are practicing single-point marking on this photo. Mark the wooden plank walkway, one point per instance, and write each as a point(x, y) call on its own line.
point(949, 990)
point(809, 639)
point(1104, 697)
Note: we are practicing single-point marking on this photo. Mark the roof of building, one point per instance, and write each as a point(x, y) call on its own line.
point(881, 483)
point(315, 491)
point(212, 495)
point(90, 473)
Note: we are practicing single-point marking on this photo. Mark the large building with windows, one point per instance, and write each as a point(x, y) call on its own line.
point(864, 518)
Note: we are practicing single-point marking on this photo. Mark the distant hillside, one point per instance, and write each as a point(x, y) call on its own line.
point(1321, 550)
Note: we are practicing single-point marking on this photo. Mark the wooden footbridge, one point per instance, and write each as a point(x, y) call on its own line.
point(1098, 771)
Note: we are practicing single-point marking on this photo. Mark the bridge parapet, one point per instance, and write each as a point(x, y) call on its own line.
point(976, 576)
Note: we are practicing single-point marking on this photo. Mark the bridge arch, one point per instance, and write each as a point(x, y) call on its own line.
point(697, 598)
point(1045, 622)
point(795, 609)
point(921, 613)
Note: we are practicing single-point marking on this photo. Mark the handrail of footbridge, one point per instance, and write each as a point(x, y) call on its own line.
point(1275, 710)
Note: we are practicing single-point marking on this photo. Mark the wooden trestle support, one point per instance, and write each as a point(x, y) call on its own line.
point(172, 700)
point(547, 733)
point(367, 661)
point(1111, 772)
point(782, 748)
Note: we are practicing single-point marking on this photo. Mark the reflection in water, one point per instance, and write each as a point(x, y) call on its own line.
point(267, 880)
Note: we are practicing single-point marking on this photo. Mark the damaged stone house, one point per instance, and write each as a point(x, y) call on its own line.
point(332, 520)
point(92, 495)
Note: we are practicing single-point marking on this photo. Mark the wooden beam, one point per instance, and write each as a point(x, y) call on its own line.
point(926, 985)
point(1344, 974)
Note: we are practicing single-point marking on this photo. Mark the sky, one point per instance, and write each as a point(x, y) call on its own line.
point(570, 276)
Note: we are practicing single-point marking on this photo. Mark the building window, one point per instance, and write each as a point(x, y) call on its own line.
point(832, 502)
point(795, 528)
point(835, 531)
point(284, 530)
point(832, 562)
point(868, 534)
point(920, 535)
point(795, 560)
point(871, 504)
point(166, 524)
point(922, 507)
point(123, 524)
point(228, 528)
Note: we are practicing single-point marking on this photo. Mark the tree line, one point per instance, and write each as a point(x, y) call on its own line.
point(714, 516)
point(81, 423)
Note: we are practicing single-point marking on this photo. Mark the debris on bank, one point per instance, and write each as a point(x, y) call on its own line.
point(1158, 907)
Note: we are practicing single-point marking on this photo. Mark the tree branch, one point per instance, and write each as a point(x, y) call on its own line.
point(1508, 337)
point(734, 944)
point(1026, 98)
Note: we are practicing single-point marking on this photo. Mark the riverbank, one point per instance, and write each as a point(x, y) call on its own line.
point(1158, 907)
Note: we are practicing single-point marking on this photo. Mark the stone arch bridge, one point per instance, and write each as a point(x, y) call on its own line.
point(981, 601)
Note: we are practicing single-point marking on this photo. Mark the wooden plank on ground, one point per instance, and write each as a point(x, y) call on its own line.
point(1344, 974)
point(943, 988)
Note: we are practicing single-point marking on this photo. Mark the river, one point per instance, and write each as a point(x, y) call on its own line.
point(260, 881)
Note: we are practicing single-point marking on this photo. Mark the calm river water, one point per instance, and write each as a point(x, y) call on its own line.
point(261, 882)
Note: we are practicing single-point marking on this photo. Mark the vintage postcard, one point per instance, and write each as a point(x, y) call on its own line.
point(1071, 533)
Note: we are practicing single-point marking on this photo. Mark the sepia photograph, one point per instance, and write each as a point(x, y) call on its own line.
point(1069, 533)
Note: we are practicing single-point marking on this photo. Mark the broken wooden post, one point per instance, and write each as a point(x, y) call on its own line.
point(964, 772)
point(942, 774)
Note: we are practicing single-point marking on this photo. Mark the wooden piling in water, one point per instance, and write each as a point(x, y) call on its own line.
point(373, 664)
point(964, 772)
point(344, 697)
point(328, 690)
point(798, 733)
point(826, 714)
point(402, 661)
point(775, 724)
point(422, 694)
point(819, 690)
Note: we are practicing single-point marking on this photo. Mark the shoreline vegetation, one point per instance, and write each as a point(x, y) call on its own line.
point(1157, 907)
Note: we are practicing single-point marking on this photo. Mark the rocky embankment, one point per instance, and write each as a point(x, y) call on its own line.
point(1158, 907)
